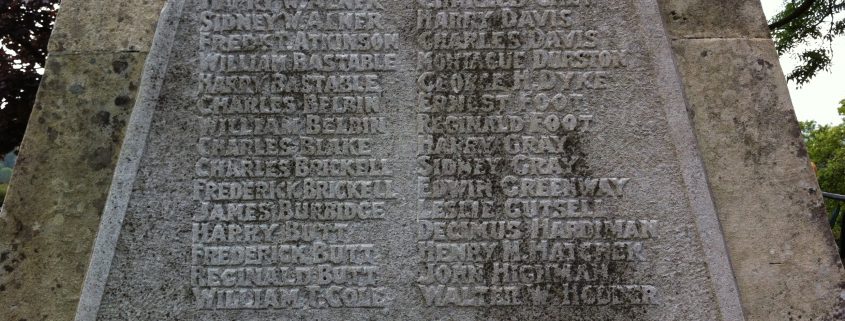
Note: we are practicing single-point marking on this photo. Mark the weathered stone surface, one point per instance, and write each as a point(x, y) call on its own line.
point(714, 19)
point(53, 209)
point(766, 194)
point(791, 273)
point(768, 199)
point(637, 236)
point(105, 26)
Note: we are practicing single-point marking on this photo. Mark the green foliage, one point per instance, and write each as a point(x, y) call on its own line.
point(6, 165)
point(841, 109)
point(826, 148)
point(9, 160)
point(807, 32)
point(5, 175)
point(3, 188)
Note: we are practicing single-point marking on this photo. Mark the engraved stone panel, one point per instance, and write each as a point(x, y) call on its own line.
point(410, 160)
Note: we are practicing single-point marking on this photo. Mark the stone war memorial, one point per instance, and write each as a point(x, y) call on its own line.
point(417, 160)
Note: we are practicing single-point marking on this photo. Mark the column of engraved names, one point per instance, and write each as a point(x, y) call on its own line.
point(508, 214)
point(290, 106)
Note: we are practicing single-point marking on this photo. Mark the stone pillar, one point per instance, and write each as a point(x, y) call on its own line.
point(53, 208)
point(766, 195)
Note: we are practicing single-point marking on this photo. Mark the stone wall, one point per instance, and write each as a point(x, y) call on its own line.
point(766, 195)
point(61, 182)
point(767, 198)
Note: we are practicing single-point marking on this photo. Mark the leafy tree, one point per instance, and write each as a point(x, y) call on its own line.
point(826, 148)
point(25, 27)
point(10, 159)
point(5, 175)
point(806, 29)
point(3, 188)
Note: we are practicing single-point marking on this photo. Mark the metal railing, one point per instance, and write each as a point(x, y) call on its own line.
point(837, 211)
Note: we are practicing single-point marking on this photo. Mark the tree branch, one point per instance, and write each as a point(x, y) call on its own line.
point(797, 13)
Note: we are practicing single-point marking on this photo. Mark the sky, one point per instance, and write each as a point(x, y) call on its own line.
point(818, 99)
